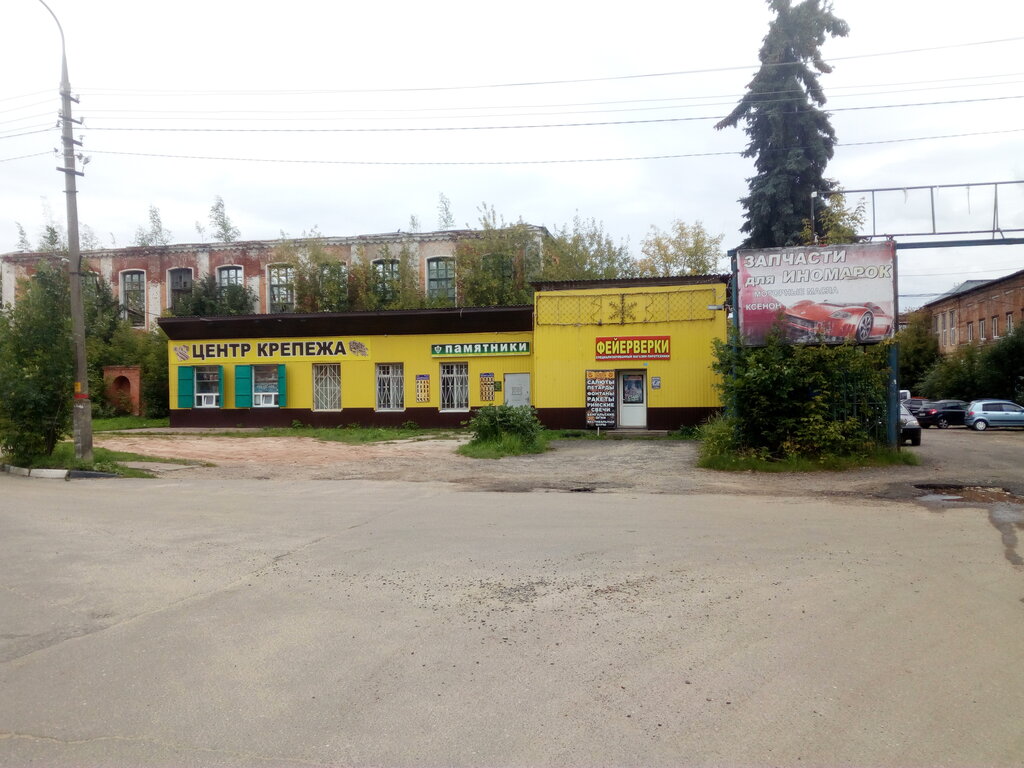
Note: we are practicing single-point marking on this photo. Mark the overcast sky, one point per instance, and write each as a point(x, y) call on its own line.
point(354, 117)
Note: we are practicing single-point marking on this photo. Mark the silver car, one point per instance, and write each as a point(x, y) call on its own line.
point(982, 414)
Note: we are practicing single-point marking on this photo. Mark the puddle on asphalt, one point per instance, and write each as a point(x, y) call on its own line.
point(1005, 510)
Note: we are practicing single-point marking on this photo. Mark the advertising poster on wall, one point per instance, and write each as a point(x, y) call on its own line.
point(818, 294)
point(600, 399)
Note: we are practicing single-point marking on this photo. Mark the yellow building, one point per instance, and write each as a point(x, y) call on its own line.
point(612, 353)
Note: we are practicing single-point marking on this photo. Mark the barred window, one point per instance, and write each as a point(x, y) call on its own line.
point(454, 386)
point(390, 387)
point(441, 279)
point(133, 297)
point(282, 288)
point(326, 387)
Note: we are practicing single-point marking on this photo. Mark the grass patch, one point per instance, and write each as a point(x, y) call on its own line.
point(883, 457)
point(118, 423)
point(63, 457)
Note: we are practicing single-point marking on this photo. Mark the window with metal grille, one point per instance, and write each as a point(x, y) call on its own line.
point(207, 389)
point(390, 387)
point(282, 289)
point(454, 386)
point(441, 279)
point(133, 297)
point(229, 276)
point(326, 387)
point(181, 285)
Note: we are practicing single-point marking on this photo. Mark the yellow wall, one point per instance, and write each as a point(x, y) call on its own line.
point(568, 323)
point(358, 372)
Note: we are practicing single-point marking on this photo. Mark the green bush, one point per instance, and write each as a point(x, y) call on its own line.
point(787, 400)
point(497, 424)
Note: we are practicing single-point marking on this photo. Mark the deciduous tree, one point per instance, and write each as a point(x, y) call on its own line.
point(224, 231)
point(154, 234)
point(584, 251)
point(683, 250)
point(36, 367)
point(495, 268)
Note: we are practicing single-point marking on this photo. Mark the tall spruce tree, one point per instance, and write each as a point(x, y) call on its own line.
point(791, 138)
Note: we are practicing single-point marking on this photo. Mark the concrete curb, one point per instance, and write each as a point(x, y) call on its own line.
point(52, 474)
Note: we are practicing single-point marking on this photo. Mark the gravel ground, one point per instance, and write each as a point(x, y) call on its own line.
point(948, 457)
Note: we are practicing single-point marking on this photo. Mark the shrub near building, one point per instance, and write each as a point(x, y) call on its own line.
point(786, 401)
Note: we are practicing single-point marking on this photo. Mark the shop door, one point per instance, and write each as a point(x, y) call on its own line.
point(517, 389)
point(632, 399)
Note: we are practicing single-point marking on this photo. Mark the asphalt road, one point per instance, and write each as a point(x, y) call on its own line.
point(200, 620)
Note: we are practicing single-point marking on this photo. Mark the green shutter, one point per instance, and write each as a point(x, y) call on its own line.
point(186, 386)
point(220, 386)
point(282, 388)
point(243, 386)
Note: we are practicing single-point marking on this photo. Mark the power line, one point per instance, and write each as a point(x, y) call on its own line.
point(613, 78)
point(602, 123)
point(178, 114)
point(519, 162)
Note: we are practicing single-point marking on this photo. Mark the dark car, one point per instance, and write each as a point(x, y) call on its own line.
point(982, 414)
point(942, 413)
point(910, 430)
point(915, 404)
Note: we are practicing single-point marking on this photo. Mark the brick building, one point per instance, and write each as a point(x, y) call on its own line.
point(977, 311)
point(147, 279)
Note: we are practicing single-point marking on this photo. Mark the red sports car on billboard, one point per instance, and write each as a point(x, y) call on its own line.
point(809, 320)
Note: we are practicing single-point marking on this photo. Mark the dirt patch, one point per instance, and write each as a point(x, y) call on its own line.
point(949, 458)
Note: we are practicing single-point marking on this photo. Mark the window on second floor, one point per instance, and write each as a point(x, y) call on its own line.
point(385, 279)
point(970, 332)
point(133, 297)
point(981, 329)
point(181, 285)
point(441, 279)
point(1009, 323)
point(229, 276)
point(995, 327)
point(281, 284)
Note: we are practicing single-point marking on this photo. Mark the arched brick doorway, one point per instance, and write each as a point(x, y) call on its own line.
point(121, 385)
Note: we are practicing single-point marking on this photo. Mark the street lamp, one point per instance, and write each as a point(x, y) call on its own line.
point(82, 413)
point(814, 227)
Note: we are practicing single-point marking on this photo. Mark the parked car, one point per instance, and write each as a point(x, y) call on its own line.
point(942, 413)
point(808, 319)
point(982, 414)
point(910, 429)
point(915, 404)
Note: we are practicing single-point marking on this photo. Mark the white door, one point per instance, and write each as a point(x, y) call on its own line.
point(517, 389)
point(632, 399)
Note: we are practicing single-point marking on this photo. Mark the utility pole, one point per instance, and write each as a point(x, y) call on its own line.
point(82, 413)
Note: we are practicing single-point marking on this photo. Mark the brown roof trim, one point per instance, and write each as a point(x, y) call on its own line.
point(630, 282)
point(987, 285)
point(392, 322)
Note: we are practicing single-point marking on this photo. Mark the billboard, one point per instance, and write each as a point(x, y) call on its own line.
point(818, 293)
